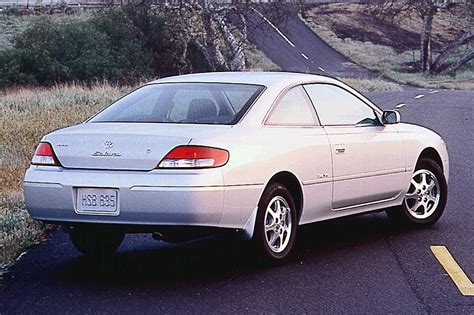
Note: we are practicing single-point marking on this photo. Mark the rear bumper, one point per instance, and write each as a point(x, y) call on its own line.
point(157, 197)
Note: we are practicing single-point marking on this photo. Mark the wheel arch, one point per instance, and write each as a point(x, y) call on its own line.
point(293, 184)
point(433, 154)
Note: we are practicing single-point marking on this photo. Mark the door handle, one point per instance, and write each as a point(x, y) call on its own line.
point(340, 149)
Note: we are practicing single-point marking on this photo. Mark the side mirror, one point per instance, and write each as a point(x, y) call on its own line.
point(390, 117)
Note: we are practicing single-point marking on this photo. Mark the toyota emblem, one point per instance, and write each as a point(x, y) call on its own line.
point(108, 144)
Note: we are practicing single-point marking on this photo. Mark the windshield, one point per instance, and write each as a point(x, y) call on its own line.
point(187, 103)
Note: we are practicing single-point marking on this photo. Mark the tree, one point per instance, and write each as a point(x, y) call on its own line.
point(205, 26)
point(136, 41)
point(219, 31)
point(439, 65)
point(427, 11)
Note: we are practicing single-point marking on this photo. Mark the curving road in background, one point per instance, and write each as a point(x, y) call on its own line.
point(289, 43)
point(360, 264)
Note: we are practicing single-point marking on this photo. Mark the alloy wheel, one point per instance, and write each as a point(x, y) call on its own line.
point(278, 224)
point(423, 196)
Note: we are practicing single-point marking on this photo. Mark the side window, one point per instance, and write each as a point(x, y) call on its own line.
point(336, 106)
point(293, 109)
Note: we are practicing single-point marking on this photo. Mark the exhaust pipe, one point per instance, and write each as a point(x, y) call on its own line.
point(157, 236)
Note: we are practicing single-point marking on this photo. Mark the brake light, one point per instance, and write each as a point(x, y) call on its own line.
point(191, 156)
point(44, 155)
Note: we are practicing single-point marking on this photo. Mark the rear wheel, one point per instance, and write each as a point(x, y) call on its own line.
point(276, 224)
point(96, 241)
point(426, 198)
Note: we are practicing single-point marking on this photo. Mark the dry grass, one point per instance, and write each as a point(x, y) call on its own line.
point(402, 33)
point(29, 113)
point(385, 57)
point(377, 85)
point(26, 115)
point(17, 230)
point(463, 79)
point(258, 61)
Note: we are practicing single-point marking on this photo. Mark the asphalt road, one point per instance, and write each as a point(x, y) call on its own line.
point(360, 264)
point(289, 43)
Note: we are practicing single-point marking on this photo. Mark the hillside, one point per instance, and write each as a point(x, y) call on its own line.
point(389, 46)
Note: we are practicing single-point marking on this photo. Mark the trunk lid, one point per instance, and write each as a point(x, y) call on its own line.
point(121, 146)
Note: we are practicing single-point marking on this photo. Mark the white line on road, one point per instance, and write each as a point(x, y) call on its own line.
point(419, 96)
point(304, 56)
point(433, 92)
point(274, 27)
point(401, 105)
point(321, 69)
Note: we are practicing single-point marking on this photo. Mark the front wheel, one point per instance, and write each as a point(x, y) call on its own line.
point(426, 198)
point(276, 224)
point(96, 241)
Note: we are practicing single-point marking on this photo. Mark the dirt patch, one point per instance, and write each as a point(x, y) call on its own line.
point(357, 22)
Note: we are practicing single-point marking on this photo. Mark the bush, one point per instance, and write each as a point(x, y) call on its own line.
point(57, 51)
point(139, 22)
point(121, 45)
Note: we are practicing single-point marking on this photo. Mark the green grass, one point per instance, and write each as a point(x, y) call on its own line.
point(386, 61)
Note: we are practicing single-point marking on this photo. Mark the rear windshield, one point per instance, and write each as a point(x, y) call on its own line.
point(186, 103)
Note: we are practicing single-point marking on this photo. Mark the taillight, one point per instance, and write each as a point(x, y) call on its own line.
point(192, 156)
point(44, 155)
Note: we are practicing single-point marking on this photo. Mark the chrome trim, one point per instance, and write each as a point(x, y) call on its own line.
point(372, 174)
point(367, 203)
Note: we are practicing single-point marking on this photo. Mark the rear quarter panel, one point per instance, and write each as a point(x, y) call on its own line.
point(258, 153)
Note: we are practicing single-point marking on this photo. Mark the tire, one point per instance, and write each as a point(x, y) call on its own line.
point(275, 226)
point(426, 198)
point(96, 241)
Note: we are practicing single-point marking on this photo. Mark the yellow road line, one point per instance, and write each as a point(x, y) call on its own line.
point(454, 271)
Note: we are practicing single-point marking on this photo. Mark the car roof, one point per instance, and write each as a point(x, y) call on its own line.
point(275, 81)
point(260, 78)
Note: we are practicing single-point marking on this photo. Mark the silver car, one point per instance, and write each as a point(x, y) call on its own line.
point(257, 154)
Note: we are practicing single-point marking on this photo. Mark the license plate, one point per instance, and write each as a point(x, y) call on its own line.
point(97, 201)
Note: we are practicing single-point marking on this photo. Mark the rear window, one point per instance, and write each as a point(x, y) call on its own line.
point(185, 103)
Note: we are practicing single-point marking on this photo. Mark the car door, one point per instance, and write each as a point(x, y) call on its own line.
point(367, 157)
point(294, 128)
